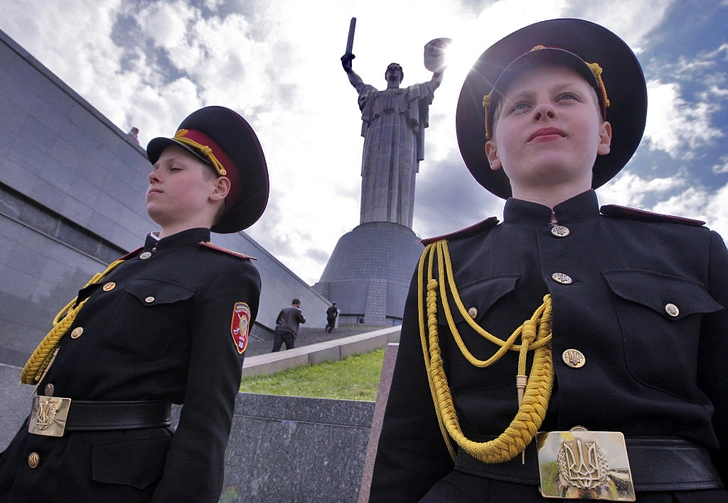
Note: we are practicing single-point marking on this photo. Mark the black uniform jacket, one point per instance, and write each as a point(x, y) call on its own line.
point(647, 373)
point(289, 318)
point(163, 332)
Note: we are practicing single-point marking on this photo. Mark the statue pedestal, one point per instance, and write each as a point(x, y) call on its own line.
point(369, 272)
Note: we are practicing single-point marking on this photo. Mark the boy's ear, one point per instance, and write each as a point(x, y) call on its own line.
point(605, 138)
point(221, 188)
point(491, 152)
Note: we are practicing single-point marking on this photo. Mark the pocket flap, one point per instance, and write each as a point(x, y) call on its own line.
point(662, 293)
point(478, 298)
point(151, 292)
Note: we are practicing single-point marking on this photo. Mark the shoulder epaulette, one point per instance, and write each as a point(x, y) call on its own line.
point(613, 210)
point(131, 254)
point(485, 225)
point(211, 246)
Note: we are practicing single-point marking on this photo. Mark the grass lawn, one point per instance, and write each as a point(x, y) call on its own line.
point(354, 378)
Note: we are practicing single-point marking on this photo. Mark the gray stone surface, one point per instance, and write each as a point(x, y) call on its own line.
point(296, 449)
point(15, 403)
point(72, 200)
point(385, 382)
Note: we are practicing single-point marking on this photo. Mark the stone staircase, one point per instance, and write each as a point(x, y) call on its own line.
point(316, 346)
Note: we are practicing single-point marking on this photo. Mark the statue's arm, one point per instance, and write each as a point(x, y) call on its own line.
point(436, 79)
point(354, 79)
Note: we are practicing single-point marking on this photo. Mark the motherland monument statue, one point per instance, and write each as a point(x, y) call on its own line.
point(369, 271)
point(393, 127)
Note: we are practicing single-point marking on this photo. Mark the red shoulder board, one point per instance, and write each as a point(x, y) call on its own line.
point(211, 246)
point(131, 254)
point(485, 225)
point(613, 210)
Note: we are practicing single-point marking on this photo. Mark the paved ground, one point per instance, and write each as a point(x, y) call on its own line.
point(305, 337)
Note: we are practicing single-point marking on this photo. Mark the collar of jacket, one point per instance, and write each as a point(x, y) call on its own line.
point(183, 238)
point(582, 207)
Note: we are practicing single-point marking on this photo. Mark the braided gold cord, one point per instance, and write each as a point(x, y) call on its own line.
point(431, 298)
point(535, 335)
point(204, 150)
point(43, 354)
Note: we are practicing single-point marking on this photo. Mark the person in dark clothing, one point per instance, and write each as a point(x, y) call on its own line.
point(569, 352)
point(167, 323)
point(331, 314)
point(287, 323)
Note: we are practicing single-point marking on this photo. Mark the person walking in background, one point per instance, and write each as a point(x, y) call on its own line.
point(331, 314)
point(287, 326)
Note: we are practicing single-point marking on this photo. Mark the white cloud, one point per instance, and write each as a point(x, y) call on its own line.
point(629, 189)
point(722, 166)
point(673, 196)
point(716, 211)
point(700, 205)
point(167, 24)
point(676, 126)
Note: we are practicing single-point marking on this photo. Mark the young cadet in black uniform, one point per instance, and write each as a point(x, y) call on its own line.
point(566, 352)
point(168, 323)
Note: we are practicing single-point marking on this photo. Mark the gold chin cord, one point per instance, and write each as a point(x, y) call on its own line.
point(41, 358)
point(533, 390)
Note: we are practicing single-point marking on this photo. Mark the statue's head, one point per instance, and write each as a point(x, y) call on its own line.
point(394, 72)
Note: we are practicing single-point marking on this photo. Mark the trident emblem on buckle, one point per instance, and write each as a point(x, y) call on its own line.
point(581, 464)
point(48, 416)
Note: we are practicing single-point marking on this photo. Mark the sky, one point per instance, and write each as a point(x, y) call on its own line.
point(150, 63)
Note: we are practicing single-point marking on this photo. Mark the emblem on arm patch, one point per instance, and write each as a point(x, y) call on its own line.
point(240, 325)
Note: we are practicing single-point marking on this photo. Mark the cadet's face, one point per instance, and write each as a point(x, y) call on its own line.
point(548, 131)
point(179, 188)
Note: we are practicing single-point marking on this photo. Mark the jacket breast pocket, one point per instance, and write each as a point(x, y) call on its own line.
point(149, 317)
point(477, 298)
point(660, 316)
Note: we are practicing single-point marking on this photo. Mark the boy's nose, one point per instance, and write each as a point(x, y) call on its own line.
point(544, 111)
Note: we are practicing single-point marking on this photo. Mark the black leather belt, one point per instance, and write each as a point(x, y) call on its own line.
point(656, 463)
point(133, 415)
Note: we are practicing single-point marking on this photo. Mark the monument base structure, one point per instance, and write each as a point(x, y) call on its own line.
point(369, 272)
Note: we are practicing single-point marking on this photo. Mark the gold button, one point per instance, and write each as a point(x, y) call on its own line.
point(49, 389)
point(108, 286)
point(76, 333)
point(562, 278)
point(145, 255)
point(574, 358)
point(672, 310)
point(473, 312)
point(560, 231)
point(33, 460)
point(149, 299)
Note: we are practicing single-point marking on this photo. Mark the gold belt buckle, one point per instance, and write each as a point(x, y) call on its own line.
point(48, 416)
point(582, 464)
